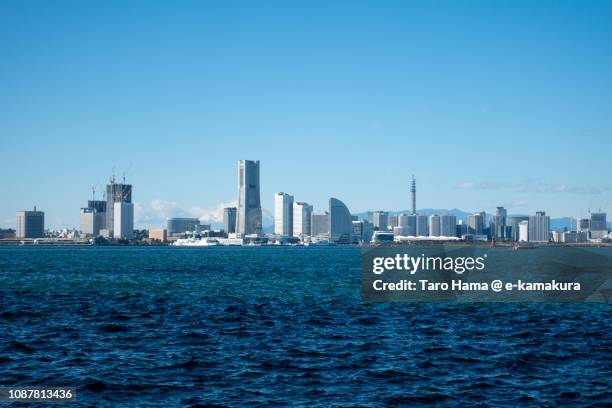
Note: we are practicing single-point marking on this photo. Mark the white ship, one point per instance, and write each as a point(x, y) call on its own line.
point(196, 242)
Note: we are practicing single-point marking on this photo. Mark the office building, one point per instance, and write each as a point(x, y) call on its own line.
point(179, 226)
point(123, 218)
point(93, 218)
point(115, 193)
point(582, 224)
point(248, 216)
point(434, 225)
point(92, 221)
point(340, 224)
point(448, 226)
point(598, 225)
point(422, 225)
point(512, 226)
point(229, 220)
point(362, 231)
point(302, 218)
point(409, 223)
point(320, 224)
point(498, 224)
point(30, 224)
point(393, 222)
point(539, 227)
point(461, 230)
point(476, 223)
point(523, 231)
point(283, 214)
point(380, 219)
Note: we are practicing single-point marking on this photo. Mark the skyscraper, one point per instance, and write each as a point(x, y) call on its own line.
point(434, 225)
point(30, 224)
point(340, 222)
point(116, 193)
point(93, 218)
point(539, 227)
point(302, 214)
point(523, 231)
point(409, 224)
point(476, 223)
point(598, 225)
point(320, 224)
point(380, 219)
point(512, 224)
point(422, 225)
point(498, 224)
point(283, 214)
point(229, 220)
point(448, 226)
point(123, 219)
point(248, 216)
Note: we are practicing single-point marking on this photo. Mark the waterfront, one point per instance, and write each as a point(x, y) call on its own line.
point(181, 326)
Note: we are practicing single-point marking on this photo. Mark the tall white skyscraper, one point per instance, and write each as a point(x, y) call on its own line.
point(302, 214)
point(248, 216)
point(123, 220)
point(523, 231)
point(539, 227)
point(283, 214)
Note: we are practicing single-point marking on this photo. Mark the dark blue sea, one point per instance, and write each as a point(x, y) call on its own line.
point(160, 326)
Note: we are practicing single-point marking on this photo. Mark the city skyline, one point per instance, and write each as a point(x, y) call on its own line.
point(505, 105)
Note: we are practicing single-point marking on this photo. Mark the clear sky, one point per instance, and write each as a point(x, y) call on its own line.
point(487, 103)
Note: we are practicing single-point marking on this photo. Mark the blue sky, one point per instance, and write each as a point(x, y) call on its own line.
point(487, 103)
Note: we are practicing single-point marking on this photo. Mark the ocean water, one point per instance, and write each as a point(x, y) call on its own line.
point(159, 326)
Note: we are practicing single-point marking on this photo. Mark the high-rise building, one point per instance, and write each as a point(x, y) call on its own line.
point(448, 226)
point(434, 225)
point(302, 214)
point(392, 222)
point(413, 195)
point(539, 227)
point(461, 229)
point(498, 224)
point(30, 224)
point(320, 224)
point(115, 193)
point(229, 220)
point(362, 231)
point(283, 214)
point(422, 225)
point(380, 219)
point(582, 224)
point(523, 231)
point(93, 218)
point(476, 223)
point(340, 223)
point(123, 219)
point(512, 225)
point(181, 225)
point(408, 223)
point(248, 217)
point(598, 225)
